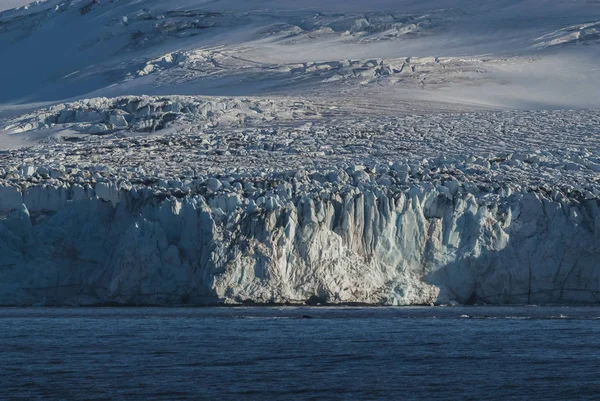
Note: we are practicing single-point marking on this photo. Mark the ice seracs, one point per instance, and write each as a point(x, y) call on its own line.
point(149, 114)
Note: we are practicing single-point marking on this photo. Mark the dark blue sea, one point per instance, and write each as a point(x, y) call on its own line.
point(269, 353)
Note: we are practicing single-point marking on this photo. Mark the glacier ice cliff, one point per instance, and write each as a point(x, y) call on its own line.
point(343, 236)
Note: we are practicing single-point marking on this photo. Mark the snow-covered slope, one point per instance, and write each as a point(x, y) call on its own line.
point(509, 53)
point(384, 152)
point(9, 4)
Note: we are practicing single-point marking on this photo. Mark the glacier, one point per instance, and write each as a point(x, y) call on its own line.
point(204, 216)
point(390, 152)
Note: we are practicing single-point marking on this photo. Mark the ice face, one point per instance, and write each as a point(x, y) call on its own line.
point(292, 239)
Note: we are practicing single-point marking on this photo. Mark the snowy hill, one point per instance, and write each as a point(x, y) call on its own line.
point(524, 54)
point(383, 152)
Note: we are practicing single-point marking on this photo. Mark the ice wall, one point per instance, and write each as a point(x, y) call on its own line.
point(340, 236)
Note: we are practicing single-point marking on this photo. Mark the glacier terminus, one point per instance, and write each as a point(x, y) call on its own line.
point(381, 153)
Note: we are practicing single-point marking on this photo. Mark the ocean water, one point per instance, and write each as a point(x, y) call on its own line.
point(453, 353)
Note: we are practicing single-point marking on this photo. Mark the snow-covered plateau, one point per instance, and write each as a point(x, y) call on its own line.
point(383, 152)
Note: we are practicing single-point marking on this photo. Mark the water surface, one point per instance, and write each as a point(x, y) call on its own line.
point(476, 353)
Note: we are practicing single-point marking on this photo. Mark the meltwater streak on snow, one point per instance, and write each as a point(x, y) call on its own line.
point(275, 354)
